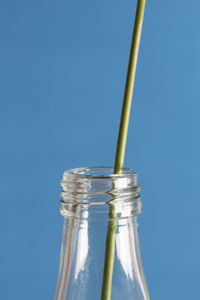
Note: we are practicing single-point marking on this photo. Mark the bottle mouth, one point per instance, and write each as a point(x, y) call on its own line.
point(98, 173)
point(98, 187)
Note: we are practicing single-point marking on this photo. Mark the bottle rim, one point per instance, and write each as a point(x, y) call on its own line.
point(107, 173)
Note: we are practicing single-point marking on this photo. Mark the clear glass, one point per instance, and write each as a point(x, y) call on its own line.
point(86, 196)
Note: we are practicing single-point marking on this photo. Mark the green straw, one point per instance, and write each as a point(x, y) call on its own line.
point(121, 148)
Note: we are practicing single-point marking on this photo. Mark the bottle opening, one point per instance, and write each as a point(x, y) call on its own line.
point(100, 172)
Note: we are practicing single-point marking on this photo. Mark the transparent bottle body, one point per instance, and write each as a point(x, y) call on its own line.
point(83, 250)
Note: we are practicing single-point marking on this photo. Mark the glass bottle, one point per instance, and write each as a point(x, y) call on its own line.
point(86, 196)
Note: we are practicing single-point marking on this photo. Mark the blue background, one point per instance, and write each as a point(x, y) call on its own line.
point(63, 68)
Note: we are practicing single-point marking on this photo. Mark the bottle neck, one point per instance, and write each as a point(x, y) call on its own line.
point(94, 201)
point(82, 260)
point(89, 193)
